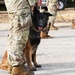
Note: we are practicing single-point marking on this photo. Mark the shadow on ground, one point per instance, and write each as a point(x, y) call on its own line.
point(57, 68)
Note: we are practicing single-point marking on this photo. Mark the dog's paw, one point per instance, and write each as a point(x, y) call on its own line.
point(38, 66)
point(3, 66)
point(33, 69)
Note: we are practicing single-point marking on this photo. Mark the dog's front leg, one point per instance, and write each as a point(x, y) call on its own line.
point(28, 56)
point(34, 60)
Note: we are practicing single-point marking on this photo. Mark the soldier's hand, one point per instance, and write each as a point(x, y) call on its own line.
point(38, 4)
point(57, 6)
point(32, 8)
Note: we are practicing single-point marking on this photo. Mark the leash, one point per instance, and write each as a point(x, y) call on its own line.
point(62, 17)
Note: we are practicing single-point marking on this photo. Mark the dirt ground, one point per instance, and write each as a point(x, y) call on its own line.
point(66, 15)
point(62, 16)
point(3, 17)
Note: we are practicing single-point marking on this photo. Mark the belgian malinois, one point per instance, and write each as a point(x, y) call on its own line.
point(39, 21)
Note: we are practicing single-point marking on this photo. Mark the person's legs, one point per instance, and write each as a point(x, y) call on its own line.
point(19, 15)
point(52, 27)
point(53, 10)
point(16, 43)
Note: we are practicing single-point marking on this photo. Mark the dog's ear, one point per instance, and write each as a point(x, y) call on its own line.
point(48, 14)
point(35, 10)
point(45, 9)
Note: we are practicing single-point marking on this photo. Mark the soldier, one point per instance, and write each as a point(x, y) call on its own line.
point(19, 12)
point(52, 8)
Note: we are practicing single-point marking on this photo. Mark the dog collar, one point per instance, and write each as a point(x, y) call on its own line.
point(35, 29)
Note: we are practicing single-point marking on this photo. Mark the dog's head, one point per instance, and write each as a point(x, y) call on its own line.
point(40, 19)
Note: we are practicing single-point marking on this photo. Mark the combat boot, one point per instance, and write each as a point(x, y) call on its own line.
point(44, 35)
point(20, 70)
point(73, 24)
point(52, 27)
point(9, 69)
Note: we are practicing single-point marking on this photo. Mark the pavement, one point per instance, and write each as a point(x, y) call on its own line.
point(56, 55)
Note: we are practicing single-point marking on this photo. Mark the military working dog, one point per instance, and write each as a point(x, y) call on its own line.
point(39, 21)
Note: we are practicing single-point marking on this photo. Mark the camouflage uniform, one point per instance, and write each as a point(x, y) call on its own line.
point(52, 8)
point(20, 20)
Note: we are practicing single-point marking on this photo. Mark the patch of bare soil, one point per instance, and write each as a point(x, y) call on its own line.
point(66, 15)
point(3, 17)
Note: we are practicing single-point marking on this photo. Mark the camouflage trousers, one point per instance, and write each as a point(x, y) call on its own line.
point(15, 48)
point(17, 39)
point(53, 10)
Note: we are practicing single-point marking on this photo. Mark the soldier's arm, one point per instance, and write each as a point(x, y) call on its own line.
point(56, 3)
point(32, 3)
point(47, 2)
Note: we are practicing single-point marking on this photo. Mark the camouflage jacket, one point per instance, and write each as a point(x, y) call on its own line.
point(54, 2)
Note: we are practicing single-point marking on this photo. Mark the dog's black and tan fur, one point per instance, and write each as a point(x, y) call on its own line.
point(39, 20)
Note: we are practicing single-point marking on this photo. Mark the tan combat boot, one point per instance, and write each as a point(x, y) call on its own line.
point(20, 70)
point(45, 31)
point(73, 24)
point(44, 35)
point(52, 27)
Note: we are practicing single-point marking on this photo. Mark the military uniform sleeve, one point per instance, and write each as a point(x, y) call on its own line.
point(32, 2)
point(55, 2)
point(47, 2)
